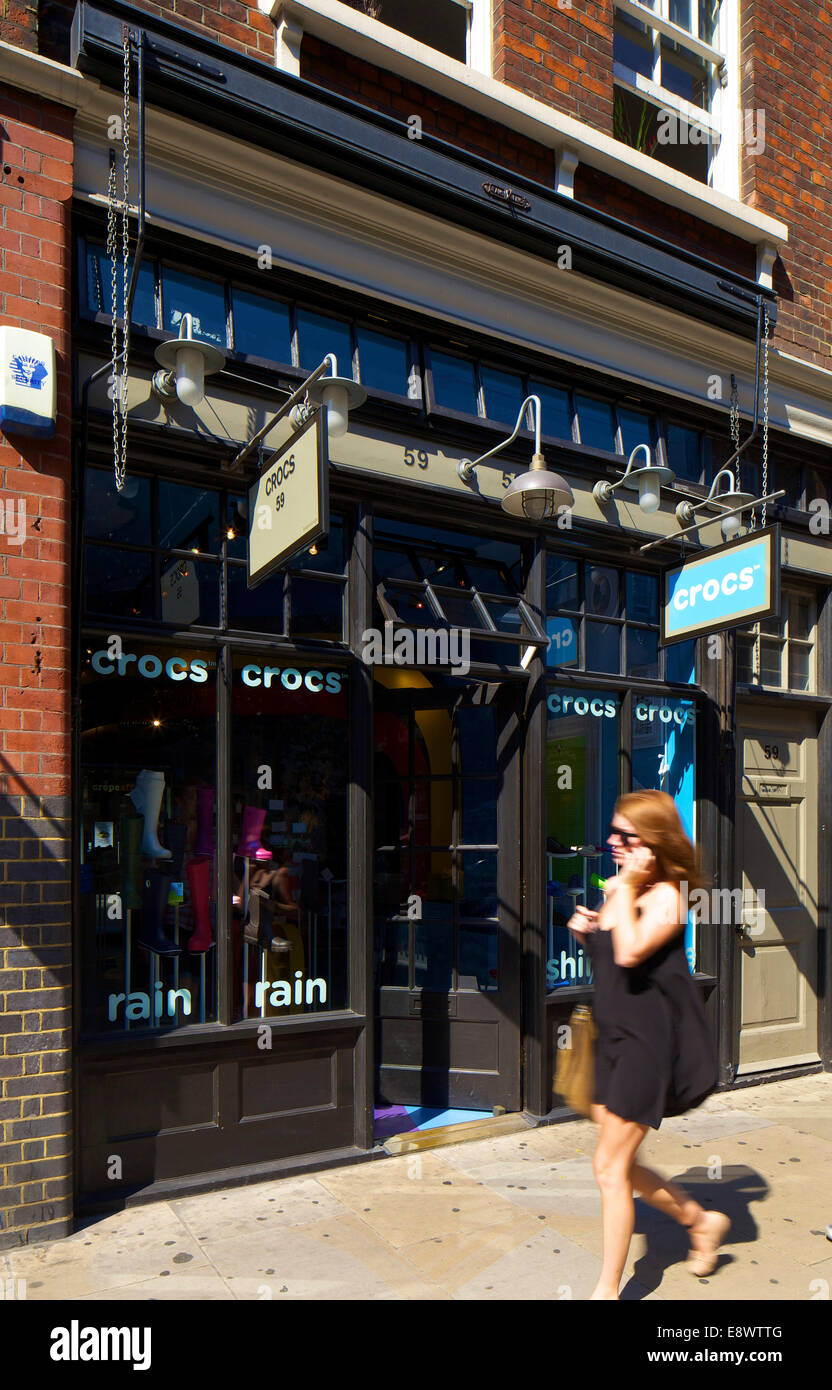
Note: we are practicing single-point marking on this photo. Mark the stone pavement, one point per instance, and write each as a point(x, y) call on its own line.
point(516, 1216)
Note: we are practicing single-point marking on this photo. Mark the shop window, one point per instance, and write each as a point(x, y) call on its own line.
point(118, 583)
point(100, 287)
point(454, 384)
point(188, 518)
point(779, 651)
point(319, 334)
point(198, 296)
point(289, 773)
point(664, 759)
point(503, 395)
point(110, 515)
point(262, 327)
point(147, 836)
point(683, 453)
point(555, 410)
point(595, 423)
point(190, 591)
point(384, 363)
point(581, 791)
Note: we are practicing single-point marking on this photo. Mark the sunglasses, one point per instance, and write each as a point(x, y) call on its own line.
point(625, 835)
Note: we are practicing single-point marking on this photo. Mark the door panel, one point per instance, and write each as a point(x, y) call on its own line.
point(777, 854)
point(447, 893)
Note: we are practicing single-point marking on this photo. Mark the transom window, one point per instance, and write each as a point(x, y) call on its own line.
point(779, 651)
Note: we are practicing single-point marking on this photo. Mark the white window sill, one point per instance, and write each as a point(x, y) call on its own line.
point(355, 33)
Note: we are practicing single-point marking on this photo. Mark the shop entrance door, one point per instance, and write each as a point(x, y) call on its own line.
point(777, 855)
point(446, 892)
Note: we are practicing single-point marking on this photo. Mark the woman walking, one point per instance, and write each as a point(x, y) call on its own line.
point(654, 1056)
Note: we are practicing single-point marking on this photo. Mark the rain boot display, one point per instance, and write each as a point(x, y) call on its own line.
point(176, 836)
point(146, 796)
point(250, 846)
point(151, 934)
point(199, 882)
point(131, 829)
point(205, 822)
point(258, 926)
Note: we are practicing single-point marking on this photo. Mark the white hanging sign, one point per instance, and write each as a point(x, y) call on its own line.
point(27, 383)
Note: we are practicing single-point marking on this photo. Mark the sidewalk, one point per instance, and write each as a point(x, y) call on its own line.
point(516, 1216)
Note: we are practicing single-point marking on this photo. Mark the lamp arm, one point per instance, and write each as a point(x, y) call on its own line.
point(466, 466)
point(735, 511)
point(295, 399)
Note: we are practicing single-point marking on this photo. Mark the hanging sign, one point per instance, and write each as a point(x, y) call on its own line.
point(730, 586)
point(288, 506)
point(27, 383)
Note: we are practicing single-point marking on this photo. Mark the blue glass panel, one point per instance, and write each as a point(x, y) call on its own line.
point(188, 518)
point(561, 583)
point(254, 610)
point(642, 652)
point(642, 598)
point(316, 608)
point(100, 290)
point(383, 362)
point(478, 889)
point(479, 812)
point(635, 429)
point(454, 384)
point(478, 957)
point(503, 396)
point(563, 641)
point(555, 410)
point(602, 647)
point(319, 334)
point(595, 422)
point(119, 583)
point(683, 453)
point(190, 592)
point(203, 299)
point(262, 327)
point(680, 660)
point(477, 741)
point(111, 515)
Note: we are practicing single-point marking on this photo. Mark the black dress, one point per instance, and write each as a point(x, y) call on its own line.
point(653, 1055)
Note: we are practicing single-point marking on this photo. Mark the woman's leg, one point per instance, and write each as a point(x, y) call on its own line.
point(706, 1229)
point(617, 1147)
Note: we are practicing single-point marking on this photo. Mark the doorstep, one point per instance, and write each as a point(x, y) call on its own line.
point(462, 1133)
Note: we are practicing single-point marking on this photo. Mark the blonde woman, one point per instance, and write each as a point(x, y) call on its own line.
point(654, 1054)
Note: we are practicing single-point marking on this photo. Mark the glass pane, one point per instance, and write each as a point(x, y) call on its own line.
point(383, 362)
point(433, 944)
point(478, 884)
point(708, 20)
point(595, 423)
point(203, 299)
point(503, 395)
point(683, 453)
point(394, 564)
point(327, 554)
point(433, 800)
point(477, 965)
point(477, 740)
point(431, 881)
point(110, 515)
point(236, 527)
point(442, 24)
point(745, 659)
point(459, 608)
point(679, 664)
point(602, 647)
point(602, 591)
point(119, 583)
point(254, 610)
point(642, 598)
point(679, 13)
point(642, 652)
point(798, 616)
point(798, 667)
point(635, 429)
point(315, 608)
point(188, 518)
point(770, 664)
point(555, 410)
point(479, 812)
point(561, 584)
point(262, 327)
point(488, 579)
point(319, 334)
point(790, 477)
point(563, 641)
point(684, 74)
point(632, 47)
point(454, 384)
point(411, 607)
point(395, 954)
point(290, 841)
point(100, 288)
point(147, 839)
point(508, 618)
point(190, 592)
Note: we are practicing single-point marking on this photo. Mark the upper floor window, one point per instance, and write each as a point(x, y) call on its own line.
point(675, 85)
point(450, 26)
point(779, 651)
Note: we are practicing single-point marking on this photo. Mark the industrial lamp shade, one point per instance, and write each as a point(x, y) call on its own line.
point(338, 395)
point(538, 494)
point(189, 360)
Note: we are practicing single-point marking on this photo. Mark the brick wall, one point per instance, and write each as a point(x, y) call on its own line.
point(35, 914)
point(559, 53)
point(787, 73)
point(19, 23)
point(231, 22)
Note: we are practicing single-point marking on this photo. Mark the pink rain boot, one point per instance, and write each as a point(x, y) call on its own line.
point(199, 882)
point(205, 822)
point(249, 846)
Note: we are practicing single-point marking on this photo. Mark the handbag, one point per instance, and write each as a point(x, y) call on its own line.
point(575, 1067)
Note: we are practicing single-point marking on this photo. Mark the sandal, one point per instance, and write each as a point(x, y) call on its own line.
point(703, 1262)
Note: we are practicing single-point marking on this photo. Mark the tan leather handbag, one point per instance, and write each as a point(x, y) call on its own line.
point(575, 1067)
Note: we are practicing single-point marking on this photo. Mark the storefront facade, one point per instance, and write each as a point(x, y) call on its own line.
point(427, 818)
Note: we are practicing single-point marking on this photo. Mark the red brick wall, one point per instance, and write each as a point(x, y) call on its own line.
point(19, 23)
point(558, 54)
point(35, 914)
point(787, 73)
point(232, 23)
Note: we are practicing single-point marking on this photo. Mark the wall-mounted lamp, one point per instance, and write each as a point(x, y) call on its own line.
point(535, 495)
point(337, 394)
point(647, 480)
point(186, 361)
point(716, 503)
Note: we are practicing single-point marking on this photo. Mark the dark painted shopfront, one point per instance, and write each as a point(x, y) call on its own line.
point(420, 832)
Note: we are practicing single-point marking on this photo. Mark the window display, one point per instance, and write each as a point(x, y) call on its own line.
point(289, 769)
point(147, 852)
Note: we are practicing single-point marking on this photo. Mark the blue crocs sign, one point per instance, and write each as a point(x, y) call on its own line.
point(728, 587)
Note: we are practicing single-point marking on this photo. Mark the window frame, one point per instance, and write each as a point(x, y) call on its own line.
point(756, 636)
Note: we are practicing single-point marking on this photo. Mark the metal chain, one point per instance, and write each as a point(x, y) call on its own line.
point(112, 251)
point(765, 413)
point(120, 453)
point(735, 428)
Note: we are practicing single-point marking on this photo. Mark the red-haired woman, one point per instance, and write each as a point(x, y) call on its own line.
point(654, 1055)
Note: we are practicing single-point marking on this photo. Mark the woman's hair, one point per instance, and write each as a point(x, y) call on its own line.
point(655, 817)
